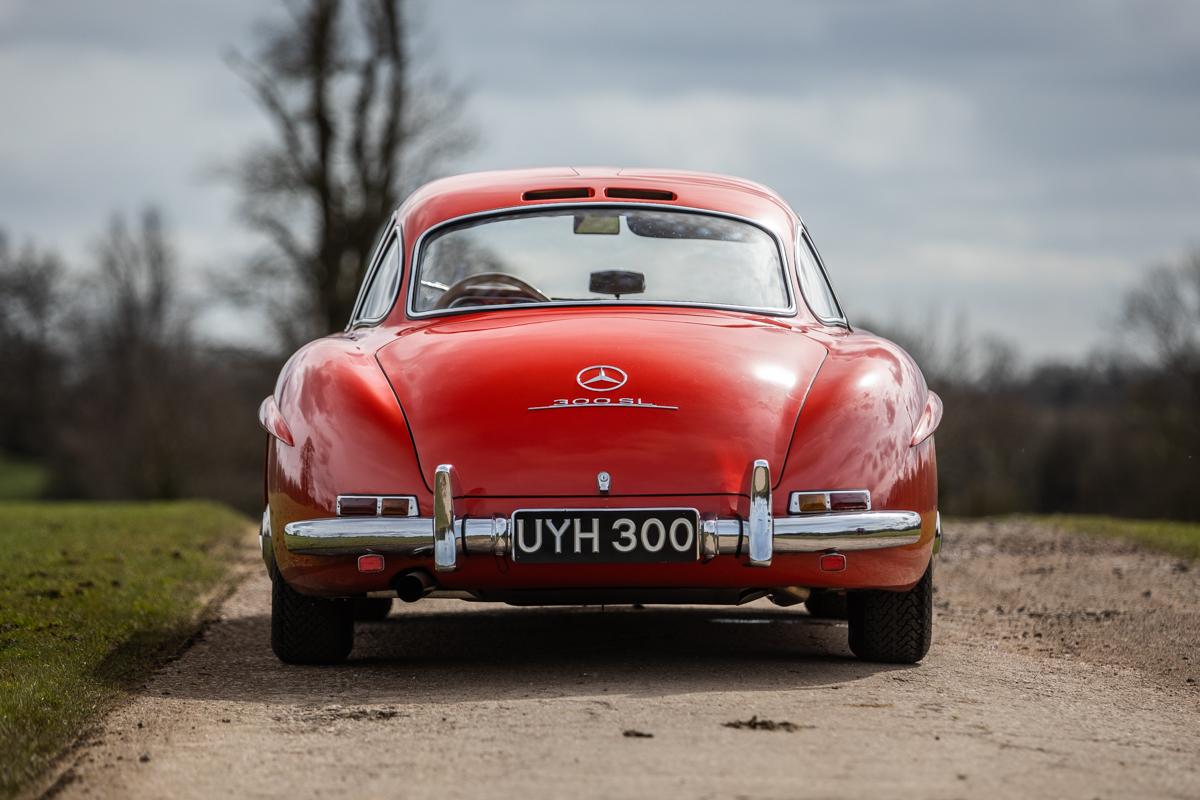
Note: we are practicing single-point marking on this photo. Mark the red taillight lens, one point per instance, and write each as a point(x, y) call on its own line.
point(832, 562)
point(371, 562)
point(356, 505)
point(856, 500)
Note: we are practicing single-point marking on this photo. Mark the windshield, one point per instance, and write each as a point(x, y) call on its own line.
point(592, 255)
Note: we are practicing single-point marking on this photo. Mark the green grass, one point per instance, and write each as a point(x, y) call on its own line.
point(21, 480)
point(1178, 538)
point(92, 596)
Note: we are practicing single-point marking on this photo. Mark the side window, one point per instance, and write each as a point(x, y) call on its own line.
point(382, 290)
point(814, 284)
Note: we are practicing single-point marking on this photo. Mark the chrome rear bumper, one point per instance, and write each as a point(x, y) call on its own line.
point(414, 536)
point(444, 536)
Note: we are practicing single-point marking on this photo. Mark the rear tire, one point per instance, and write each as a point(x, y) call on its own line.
point(826, 604)
point(371, 609)
point(892, 627)
point(309, 630)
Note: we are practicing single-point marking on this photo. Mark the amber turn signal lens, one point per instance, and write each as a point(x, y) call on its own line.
point(395, 507)
point(807, 503)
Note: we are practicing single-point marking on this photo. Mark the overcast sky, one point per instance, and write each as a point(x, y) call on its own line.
point(1019, 164)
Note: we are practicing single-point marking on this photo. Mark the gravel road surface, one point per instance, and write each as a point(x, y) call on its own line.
point(1062, 666)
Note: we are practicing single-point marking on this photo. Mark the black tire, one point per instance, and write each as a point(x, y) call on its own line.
point(892, 627)
point(309, 630)
point(371, 609)
point(826, 604)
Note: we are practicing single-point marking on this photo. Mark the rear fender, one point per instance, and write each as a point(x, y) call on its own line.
point(349, 436)
point(857, 428)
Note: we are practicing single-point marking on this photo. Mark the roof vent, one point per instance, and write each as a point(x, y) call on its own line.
point(558, 194)
point(639, 194)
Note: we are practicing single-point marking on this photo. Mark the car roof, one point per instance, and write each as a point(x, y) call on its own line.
point(478, 192)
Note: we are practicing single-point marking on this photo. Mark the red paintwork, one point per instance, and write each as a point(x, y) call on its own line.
point(374, 410)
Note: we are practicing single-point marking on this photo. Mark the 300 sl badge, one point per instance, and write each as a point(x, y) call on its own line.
point(602, 378)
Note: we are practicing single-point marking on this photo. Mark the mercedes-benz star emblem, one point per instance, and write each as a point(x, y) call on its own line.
point(601, 378)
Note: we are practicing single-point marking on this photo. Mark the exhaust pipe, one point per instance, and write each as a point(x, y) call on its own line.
point(412, 586)
point(789, 595)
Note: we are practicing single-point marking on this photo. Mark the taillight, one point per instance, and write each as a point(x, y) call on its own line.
point(349, 505)
point(373, 505)
point(398, 506)
point(808, 502)
point(837, 500)
point(856, 500)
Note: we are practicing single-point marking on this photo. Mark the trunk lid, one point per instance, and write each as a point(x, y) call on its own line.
point(538, 403)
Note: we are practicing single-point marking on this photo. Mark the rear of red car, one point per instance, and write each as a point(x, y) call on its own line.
point(584, 402)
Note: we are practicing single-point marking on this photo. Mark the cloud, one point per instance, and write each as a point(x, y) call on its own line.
point(926, 128)
point(1021, 163)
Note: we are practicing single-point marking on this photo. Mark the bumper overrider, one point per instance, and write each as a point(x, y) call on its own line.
point(758, 539)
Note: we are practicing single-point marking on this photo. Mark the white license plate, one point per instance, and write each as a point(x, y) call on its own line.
point(605, 535)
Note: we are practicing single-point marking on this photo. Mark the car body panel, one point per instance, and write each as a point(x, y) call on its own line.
point(705, 393)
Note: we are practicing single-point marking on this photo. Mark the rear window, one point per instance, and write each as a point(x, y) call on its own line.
point(600, 255)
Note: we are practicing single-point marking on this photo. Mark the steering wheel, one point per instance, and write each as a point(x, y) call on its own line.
point(485, 286)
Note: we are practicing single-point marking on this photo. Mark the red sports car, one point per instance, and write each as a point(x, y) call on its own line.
point(565, 386)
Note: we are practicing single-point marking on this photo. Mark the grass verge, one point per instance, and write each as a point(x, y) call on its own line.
point(93, 595)
point(21, 480)
point(1178, 538)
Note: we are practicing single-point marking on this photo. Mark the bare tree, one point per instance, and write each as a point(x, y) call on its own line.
point(130, 402)
point(356, 124)
point(136, 286)
point(31, 298)
point(109, 385)
point(1165, 311)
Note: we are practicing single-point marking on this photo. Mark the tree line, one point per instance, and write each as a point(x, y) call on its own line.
point(108, 382)
point(1117, 432)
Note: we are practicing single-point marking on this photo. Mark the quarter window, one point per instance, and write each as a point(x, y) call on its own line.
point(382, 290)
point(814, 284)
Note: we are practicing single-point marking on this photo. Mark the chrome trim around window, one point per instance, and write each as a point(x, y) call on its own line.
point(393, 231)
point(803, 234)
point(414, 262)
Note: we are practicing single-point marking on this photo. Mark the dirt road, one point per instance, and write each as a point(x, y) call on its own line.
point(1061, 667)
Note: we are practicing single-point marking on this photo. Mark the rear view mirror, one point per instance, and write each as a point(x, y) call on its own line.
point(605, 223)
point(617, 282)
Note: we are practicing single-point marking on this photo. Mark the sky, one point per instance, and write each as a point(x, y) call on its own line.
point(1016, 166)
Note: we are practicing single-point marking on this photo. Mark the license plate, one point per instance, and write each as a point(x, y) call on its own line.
point(605, 535)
